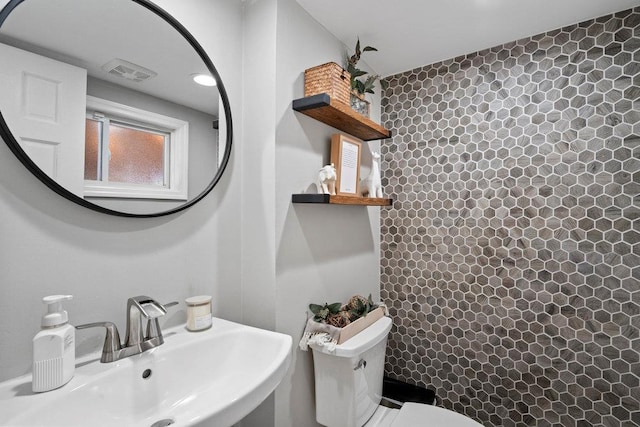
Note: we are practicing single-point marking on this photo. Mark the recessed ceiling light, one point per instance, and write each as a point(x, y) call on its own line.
point(204, 79)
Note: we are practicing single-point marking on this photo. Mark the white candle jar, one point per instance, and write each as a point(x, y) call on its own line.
point(198, 312)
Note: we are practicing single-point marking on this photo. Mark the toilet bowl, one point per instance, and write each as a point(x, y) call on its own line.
point(418, 415)
point(349, 387)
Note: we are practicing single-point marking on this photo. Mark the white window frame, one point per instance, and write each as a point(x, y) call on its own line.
point(178, 154)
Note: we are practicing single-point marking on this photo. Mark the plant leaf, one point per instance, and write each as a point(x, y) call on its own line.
point(369, 49)
point(369, 83)
point(335, 307)
point(315, 308)
point(357, 73)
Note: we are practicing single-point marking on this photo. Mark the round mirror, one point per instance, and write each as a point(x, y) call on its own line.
point(112, 104)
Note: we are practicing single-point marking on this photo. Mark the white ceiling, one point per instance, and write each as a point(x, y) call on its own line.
point(412, 33)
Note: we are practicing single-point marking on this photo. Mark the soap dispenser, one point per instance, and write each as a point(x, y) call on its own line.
point(54, 350)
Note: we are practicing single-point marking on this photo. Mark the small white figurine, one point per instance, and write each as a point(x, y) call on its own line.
point(327, 180)
point(371, 185)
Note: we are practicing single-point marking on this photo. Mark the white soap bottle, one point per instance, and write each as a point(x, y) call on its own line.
point(54, 349)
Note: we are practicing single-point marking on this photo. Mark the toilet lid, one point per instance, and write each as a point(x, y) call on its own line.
point(421, 415)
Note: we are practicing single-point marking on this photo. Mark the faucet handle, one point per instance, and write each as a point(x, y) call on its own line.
point(153, 326)
point(149, 308)
point(111, 339)
point(137, 308)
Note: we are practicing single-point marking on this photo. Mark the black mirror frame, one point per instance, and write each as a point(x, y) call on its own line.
point(35, 170)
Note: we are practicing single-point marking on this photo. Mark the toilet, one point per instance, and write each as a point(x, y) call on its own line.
point(349, 387)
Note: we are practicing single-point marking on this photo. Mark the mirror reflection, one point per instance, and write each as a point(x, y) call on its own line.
point(103, 97)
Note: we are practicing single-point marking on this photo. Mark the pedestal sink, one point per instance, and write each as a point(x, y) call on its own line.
point(209, 378)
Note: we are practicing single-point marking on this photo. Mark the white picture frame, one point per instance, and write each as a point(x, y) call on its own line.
point(345, 155)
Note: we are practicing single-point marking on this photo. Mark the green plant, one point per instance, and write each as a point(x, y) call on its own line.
point(360, 307)
point(340, 315)
point(322, 312)
point(357, 84)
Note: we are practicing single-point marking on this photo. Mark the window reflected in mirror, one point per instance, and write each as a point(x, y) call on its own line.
point(134, 153)
point(92, 144)
point(137, 155)
point(124, 153)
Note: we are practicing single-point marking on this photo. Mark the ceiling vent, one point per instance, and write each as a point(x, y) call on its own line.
point(128, 70)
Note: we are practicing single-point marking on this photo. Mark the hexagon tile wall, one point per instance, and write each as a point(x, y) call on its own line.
point(511, 256)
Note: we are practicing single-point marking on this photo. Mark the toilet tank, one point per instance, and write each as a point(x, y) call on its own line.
point(349, 379)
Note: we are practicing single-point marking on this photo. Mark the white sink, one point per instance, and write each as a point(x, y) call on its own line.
point(209, 378)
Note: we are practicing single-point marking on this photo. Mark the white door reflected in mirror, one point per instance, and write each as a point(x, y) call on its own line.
point(44, 100)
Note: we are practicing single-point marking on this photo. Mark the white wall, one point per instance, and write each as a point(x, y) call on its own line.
point(49, 245)
point(258, 180)
point(258, 160)
point(324, 253)
point(293, 254)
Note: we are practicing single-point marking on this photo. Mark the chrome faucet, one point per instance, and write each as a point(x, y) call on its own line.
point(139, 309)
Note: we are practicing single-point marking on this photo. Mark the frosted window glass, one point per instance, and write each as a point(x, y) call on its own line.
point(137, 157)
point(91, 149)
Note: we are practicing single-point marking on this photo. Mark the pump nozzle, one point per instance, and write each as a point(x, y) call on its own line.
point(55, 316)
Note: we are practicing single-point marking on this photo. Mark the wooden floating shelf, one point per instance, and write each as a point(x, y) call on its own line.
point(340, 116)
point(340, 200)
